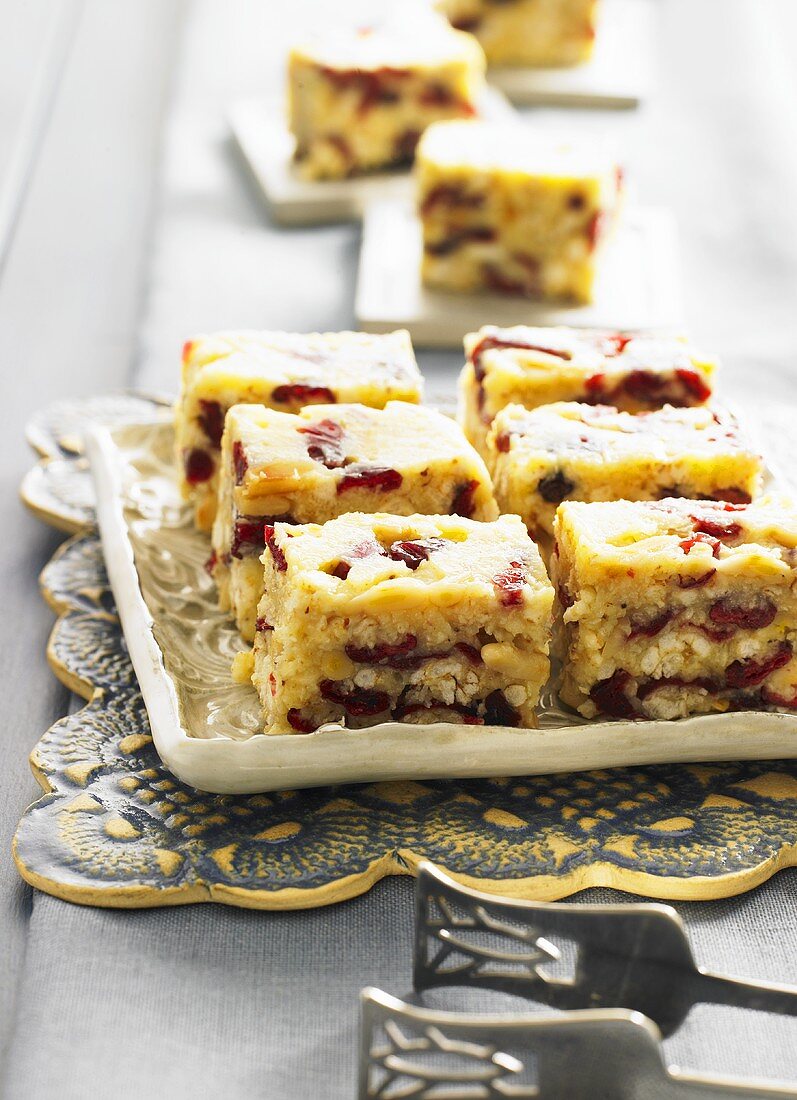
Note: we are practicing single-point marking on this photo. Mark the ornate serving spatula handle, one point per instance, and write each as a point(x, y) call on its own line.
point(412, 1052)
point(570, 956)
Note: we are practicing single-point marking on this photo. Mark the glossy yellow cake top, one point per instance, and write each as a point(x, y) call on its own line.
point(687, 537)
point(408, 37)
point(410, 439)
point(514, 148)
point(458, 559)
point(581, 351)
point(344, 361)
point(597, 434)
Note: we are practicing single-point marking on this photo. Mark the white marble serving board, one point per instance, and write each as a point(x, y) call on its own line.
point(619, 73)
point(638, 286)
point(266, 147)
point(205, 728)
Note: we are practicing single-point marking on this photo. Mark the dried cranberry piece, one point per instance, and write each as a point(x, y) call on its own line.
point(715, 529)
point(565, 599)
point(496, 280)
point(609, 696)
point(450, 244)
point(436, 95)
point(304, 393)
point(413, 553)
point(614, 343)
point(749, 618)
point(248, 535)
point(653, 626)
point(646, 689)
point(326, 443)
point(358, 702)
point(696, 582)
point(749, 672)
point(275, 551)
point(498, 711)
point(466, 24)
point(470, 652)
point(211, 420)
point(509, 584)
point(450, 195)
point(463, 502)
point(595, 387)
point(359, 476)
point(701, 537)
point(644, 386)
point(405, 145)
point(716, 634)
point(596, 227)
point(383, 653)
point(261, 626)
point(694, 384)
point(503, 441)
point(239, 462)
point(188, 347)
point(299, 723)
point(734, 495)
point(365, 549)
point(198, 465)
point(555, 487)
point(211, 563)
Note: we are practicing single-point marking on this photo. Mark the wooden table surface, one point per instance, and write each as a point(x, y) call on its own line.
point(135, 227)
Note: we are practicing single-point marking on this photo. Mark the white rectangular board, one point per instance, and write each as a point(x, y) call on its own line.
point(266, 147)
point(205, 728)
point(638, 286)
point(619, 73)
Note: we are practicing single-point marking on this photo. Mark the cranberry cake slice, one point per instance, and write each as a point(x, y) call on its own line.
point(360, 99)
point(284, 371)
point(369, 619)
point(324, 462)
point(540, 33)
point(677, 607)
point(510, 209)
point(571, 451)
point(528, 366)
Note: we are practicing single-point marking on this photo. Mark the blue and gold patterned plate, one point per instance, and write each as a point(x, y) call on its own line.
point(114, 827)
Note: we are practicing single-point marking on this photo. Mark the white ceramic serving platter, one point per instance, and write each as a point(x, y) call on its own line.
point(266, 147)
point(638, 286)
point(205, 727)
point(619, 73)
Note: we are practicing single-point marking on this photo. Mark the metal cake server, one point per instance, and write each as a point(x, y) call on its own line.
point(635, 957)
point(412, 1053)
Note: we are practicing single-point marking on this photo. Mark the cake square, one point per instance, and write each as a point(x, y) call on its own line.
point(282, 370)
point(572, 451)
point(527, 366)
point(508, 208)
point(548, 33)
point(677, 607)
point(359, 100)
point(376, 618)
point(323, 462)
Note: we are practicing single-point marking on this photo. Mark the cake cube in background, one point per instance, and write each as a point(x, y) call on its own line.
point(369, 619)
point(360, 98)
point(677, 607)
point(282, 370)
point(508, 208)
point(572, 451)
point(324, 462)
point(528, 32)
point(537, 366)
